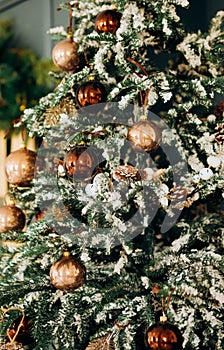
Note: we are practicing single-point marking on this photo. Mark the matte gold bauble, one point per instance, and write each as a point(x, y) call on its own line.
point(91, 92)
point(67, 273)
point(12, 218)
point(164, 336)
point(66, 57)
point(24, 336)
point(107, 21)
point(144, 136)
point(80, 163)
point(20, 167)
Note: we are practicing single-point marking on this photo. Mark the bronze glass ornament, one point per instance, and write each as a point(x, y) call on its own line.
point(144, 136)
point(80, 163)
point(164, 336)
point(12, 218)
point(66, 57)
point(20, 167)
point(108, 21)
point(67, 273)
point(89, 93)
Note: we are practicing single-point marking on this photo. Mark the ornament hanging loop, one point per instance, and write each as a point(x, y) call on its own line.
point(4, 312)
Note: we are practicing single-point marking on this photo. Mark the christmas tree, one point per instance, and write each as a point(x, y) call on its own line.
point(122, 245)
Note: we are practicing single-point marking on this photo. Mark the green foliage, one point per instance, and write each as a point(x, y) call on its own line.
point(136, 270)
point(24, 77)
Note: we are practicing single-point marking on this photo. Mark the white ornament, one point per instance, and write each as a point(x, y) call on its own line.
point(196, 178)
point(214, 161)
point(211, 118)
point(206, 173)
point(91, 190)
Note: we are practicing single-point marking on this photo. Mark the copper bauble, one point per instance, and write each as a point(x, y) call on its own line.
point(107, 21)
point(164, 336)
point(80, 163)
point(67, 273)
point(24, 335)
point(12, 218)
point(144, 136)
point(20, 167)
point(91, 92)
point(66, 57)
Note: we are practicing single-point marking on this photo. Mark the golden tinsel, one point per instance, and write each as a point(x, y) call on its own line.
point(66, 106)
point(101, 343)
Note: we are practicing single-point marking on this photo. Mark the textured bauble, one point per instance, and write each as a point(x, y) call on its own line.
point(80, 163)
point(66, 57)
point(127, 172)
point(20, 167)
point(67, 273)
point(108, 21)
point(12, 218)
point(164, 336)
point(144, 136)
point(89, 93)
point(24, 336)
point(105, 343)
point(12, 346)
point(219, 135)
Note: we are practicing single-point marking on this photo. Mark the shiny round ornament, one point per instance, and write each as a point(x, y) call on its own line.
point(144, 136)
point(108, 21)
point(80, 163)
point(67, 273)
point(214, 161)
point(20, 167)
point(12, 218)
point(66, 57)
point(24, 336)
point(164, 336)
point(206, 174)
point(89, 93)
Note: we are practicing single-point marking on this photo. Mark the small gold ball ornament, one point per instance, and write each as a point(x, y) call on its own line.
point(164, 336)
point(67, 273)
point(20, 167)
point(108, 21)
point(66, 57)
point(12, 218)
point(144, 135)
